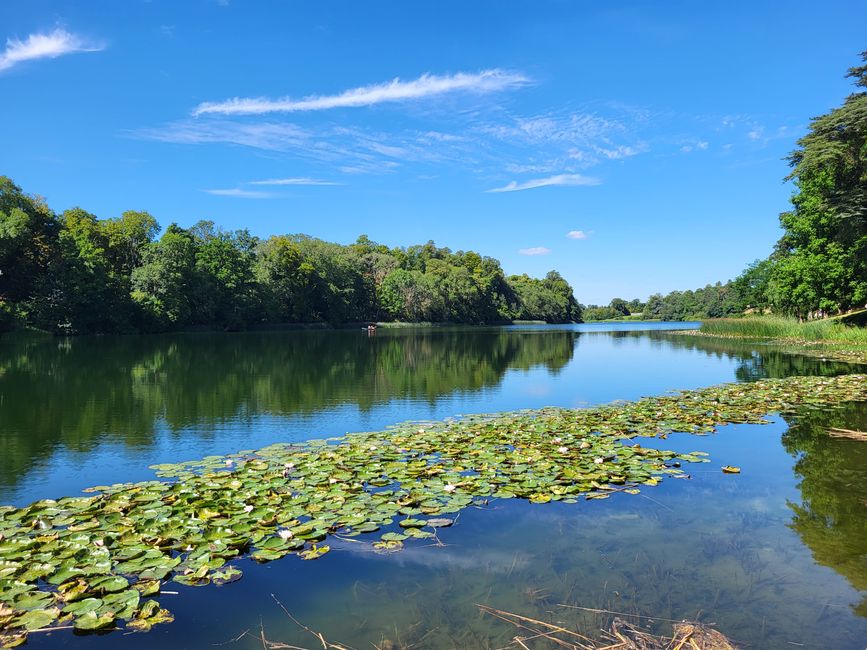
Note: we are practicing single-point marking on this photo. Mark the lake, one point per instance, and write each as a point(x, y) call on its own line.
point(774, 556)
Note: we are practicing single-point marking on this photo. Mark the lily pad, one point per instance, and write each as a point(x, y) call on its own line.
point(37, 619)
point(92, 622)
point(226, 575)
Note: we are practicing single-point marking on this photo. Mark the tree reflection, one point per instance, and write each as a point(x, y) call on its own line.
point(755, 360)
point(832, 516)
point(76, 392)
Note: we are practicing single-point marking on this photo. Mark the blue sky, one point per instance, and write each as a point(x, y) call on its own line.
point(634, 146)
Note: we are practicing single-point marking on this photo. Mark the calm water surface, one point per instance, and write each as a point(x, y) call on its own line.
point(775, 555)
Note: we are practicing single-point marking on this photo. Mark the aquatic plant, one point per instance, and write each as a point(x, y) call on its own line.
point(92, 561)
point(782, 327)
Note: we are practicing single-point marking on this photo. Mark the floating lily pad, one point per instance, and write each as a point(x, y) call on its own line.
point(412, 523)
point(37, 619)
point(226, 575)
point(91, 621)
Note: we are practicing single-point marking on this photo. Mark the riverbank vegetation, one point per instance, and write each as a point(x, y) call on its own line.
point(75, 273)
point(786, 329)
point(97, 562)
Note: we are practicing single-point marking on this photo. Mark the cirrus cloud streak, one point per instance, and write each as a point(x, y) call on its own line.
point(239, 193)
point(559, 179)
point(427, 85)
point(294, 181)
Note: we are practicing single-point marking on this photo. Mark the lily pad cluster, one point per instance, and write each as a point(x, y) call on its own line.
point(95, 562)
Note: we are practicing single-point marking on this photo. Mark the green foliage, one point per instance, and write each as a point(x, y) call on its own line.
point(617, 309)
point(752, 285)
point(224, 263)
point(820, 264)
point(28, 248)
point(164, 285)
point(782, 327)
point(713, 301)
point(550, 300)
point(75, 273)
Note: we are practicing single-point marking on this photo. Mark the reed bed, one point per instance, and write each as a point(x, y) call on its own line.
point(781, 327)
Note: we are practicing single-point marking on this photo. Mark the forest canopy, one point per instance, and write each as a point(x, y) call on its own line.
point(76, 273)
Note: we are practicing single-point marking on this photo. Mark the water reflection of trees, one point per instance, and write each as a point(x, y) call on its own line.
point(755, 361)
point(74, 392)
point(832, 516)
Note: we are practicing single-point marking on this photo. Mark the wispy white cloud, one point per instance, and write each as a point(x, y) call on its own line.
point(438, 136)
point(44, 46)
point(757, 133)
point(294, 181)
point(576, 234)
point(569, 128)
point(700, 145)
point(357, 149)
point(619, 152)
point(560, 179)
point(427, 85)
point(264, 135)
point(536, 250)
point(241, 193)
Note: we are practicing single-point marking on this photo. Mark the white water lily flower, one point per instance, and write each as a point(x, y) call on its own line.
point(248, 508)
point(332, 481)
point(285, 534)
point(558, 440)
point(289, 465)
point(598, 460)
point(229, 462)
point(449, 487)
point(563, 450)
point(372, 448)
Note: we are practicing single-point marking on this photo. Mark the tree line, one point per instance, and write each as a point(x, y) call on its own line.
point(713, 301)
point(76, 273)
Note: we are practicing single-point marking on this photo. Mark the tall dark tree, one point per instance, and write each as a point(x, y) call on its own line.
point(821, 260)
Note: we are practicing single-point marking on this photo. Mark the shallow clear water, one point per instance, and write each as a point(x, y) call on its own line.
point(777, 554)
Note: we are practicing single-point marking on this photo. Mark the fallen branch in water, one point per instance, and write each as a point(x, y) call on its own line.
point(836, 432)
point(621, 635)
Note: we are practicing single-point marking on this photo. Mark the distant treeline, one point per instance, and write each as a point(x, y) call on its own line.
point(75, 273)
point(713, 301)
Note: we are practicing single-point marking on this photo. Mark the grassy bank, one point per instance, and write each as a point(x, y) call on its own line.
point(786, 329)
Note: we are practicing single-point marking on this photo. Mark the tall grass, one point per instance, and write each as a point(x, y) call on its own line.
point(780, 327)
